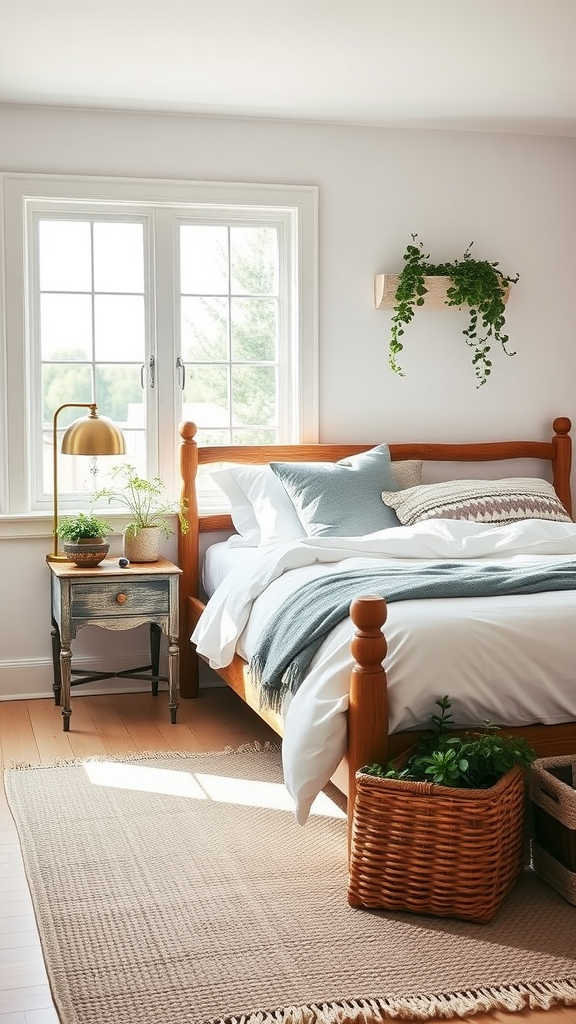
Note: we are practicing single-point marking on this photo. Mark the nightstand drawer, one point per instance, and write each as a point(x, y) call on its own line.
point(135, 597)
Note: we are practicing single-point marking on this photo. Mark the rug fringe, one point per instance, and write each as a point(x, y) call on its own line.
point(144, 755)
point(511, 998)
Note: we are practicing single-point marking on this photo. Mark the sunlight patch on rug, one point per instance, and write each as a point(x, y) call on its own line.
point(201, 786)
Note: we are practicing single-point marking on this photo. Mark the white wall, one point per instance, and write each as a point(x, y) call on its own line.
point(513, 196)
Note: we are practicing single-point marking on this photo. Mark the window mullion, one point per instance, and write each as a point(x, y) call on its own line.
point(167, 341)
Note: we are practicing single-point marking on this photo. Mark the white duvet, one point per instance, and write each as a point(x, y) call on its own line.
point(509, 658)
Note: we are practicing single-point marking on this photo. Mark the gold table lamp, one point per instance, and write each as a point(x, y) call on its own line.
point(89, 435)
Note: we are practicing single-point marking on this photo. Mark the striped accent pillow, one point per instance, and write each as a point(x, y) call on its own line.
point(479, 501)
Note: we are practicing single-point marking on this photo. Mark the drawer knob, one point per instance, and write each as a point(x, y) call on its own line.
point(121, 598)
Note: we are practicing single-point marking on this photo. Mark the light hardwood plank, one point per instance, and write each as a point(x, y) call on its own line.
point(84, 738)
point(16, 940)
point(142, 729)
point(47, 1015)
point(32, 997)
point(23, 975)
point(110, 726)
point(52, 742)
point(17, 740)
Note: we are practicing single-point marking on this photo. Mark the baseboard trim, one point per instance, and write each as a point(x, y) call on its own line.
point(32, 679)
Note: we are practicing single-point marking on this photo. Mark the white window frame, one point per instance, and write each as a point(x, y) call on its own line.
point(294, 208)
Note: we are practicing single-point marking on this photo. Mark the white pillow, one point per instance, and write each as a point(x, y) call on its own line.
point(243, 518)
point(274, 512)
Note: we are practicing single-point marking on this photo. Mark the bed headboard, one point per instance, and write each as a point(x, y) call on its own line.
point(557, 452)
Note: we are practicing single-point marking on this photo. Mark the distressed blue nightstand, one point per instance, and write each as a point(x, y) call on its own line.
point(114, 598)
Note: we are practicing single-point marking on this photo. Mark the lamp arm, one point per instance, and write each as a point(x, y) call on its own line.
point(67, 405)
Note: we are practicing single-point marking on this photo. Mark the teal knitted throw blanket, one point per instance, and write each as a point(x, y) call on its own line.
point(294, 633)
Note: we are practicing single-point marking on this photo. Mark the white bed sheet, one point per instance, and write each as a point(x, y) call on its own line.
point(221, 559)
point(510, 658)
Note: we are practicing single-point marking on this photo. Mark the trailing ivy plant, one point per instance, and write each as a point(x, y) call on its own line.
point(475, 283)
point(472, 760)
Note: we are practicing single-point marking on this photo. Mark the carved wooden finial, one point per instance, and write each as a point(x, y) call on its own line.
point(368, 646)
point(187, 430)
point(562, 425)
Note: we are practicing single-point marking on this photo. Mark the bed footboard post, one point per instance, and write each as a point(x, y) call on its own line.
point(188, 557)
point(562, 461)
point(368, 702)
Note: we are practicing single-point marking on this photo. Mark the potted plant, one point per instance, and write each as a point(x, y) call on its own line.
point(440, 830)
point(84, 538)
point(475, 283)
point(149, 511)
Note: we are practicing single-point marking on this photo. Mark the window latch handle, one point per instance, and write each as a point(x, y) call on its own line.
point(151, 373)
point(181, 372)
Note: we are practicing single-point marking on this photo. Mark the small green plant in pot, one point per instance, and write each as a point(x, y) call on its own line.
point(84, 538)
point(479, 284)
point(149, 511)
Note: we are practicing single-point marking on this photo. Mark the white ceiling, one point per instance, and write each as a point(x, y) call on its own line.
point(479, 65)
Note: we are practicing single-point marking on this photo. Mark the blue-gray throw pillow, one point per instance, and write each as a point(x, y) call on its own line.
point(341, 499)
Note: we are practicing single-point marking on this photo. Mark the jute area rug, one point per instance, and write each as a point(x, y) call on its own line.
point(178, 889)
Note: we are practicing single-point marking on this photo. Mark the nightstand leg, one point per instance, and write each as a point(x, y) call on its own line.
point(173, 677)
point(57, 675)
point(66, 675)
point(155, 638)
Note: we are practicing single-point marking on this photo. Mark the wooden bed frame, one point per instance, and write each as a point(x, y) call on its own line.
point(368, 738)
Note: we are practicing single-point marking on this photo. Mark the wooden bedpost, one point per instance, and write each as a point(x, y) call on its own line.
point(368, 705)
point(188, 558)
point(562, 461)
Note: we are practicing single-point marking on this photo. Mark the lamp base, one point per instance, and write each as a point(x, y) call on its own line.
point(57, 558)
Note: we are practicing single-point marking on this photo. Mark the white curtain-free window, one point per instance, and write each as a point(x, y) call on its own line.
point(160, 301)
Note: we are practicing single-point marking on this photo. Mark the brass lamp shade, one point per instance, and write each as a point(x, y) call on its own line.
point(93, 435)
point(89, 435)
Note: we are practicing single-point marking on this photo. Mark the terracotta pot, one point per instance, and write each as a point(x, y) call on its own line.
point(143, 545)
point(87, 552)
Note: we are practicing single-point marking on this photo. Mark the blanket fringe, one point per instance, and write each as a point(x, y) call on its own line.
point(511, 998)
point(142, 755)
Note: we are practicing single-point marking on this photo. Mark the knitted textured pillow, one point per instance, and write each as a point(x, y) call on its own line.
point(479, 501)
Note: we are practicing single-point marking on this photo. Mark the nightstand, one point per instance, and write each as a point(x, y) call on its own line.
point(114, 598)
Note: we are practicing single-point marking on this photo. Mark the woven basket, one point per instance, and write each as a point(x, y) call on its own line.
point(552, 787)
point(431, 849)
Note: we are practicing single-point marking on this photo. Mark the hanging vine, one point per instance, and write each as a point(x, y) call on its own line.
point(475, 283)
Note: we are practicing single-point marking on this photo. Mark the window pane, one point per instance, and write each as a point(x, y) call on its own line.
point(254, 261)
point(203, 260)
point(65, 256)
point(119, 327)
point(118, 257)
point(204, 329)
point(254, 329)
point(253, 395)
point(206, 392)
point(120, 395)
point(80, 474)
point(254, 437)
point(66, 326)
point(63, 383)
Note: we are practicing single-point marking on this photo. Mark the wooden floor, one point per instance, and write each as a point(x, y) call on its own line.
point(31, 731)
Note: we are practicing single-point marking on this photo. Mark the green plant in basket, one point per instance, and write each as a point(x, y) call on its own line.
point(469, 760)
point(479, 284)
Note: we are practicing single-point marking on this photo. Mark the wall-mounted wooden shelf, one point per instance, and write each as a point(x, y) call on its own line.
point(385, 286)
